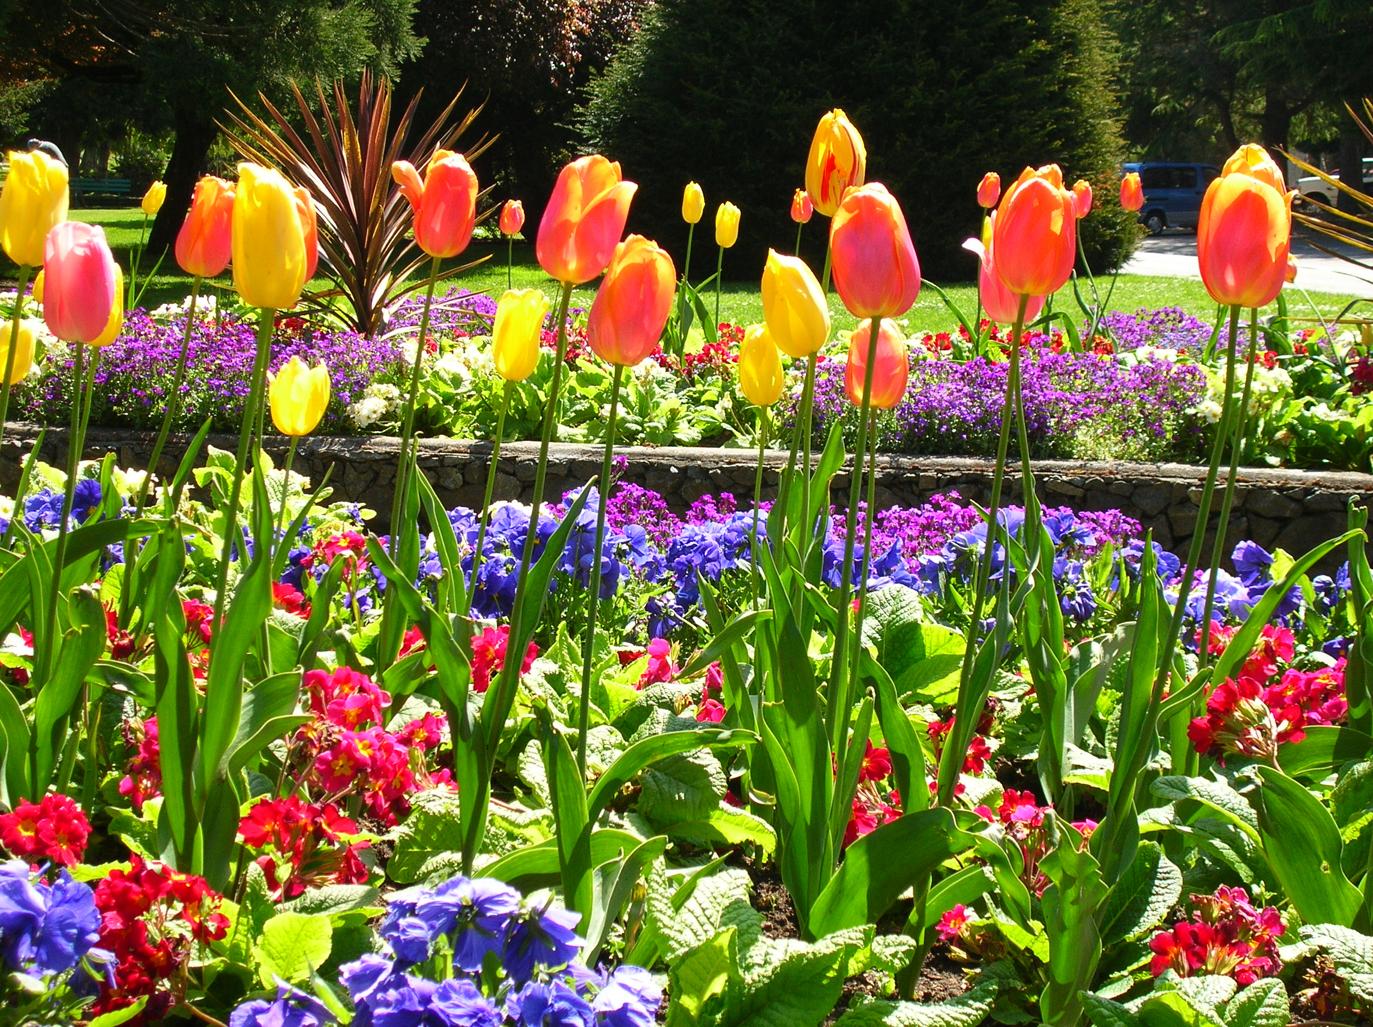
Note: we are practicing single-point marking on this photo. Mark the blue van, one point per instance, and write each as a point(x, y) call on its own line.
point(1172, 192)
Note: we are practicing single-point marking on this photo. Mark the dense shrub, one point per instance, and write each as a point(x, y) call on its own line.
point(727, 92)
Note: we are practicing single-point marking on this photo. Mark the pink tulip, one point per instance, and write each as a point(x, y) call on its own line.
point(876, 271)
point(999, 304)
point(79, 282)
point(631, 306)
point(890, 368)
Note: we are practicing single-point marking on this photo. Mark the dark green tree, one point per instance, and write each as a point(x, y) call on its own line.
point(166, 65)
point(728, 92)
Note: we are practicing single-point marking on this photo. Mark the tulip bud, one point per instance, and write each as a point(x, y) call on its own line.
point(512, 217)
point(794, 307)
point(876, 271)
point(298, 396)
point(271, 264)
point(1244, 232)
point(801, 207)
point(444, 203)
point(25, 345)
point(1082, 197)
point(202, 246)
point(1036, 233)
point(890, 368)
point(837, 161)
point(516, 333)
point(1291, 275)
point(1131, 192)
point(37, 290)
point(584, 220)
point(32, 201)
point(989, 190)
point(726, 225)
point(152, 199)
point(80, 282)
point(115, 324)
point(309, 225)
point(760, 367)
point(632, 305)
point(999, 304)
point(693, 203)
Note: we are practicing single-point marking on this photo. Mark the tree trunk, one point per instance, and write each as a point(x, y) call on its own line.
point(195, 132)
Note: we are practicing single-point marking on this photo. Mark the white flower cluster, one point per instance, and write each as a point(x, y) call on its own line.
point(204, 304)
point(379, 403)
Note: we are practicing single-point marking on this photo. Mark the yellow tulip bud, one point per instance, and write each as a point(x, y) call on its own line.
point(152, 199)
point(726, 225)
point(25, 334)
point(115, 324)
point(794, 306)
point(693, 203)
point(515, 336)
point(298, 396)
point(760, 367)
point(38, 286)
point(33, 200)
point(268, 239)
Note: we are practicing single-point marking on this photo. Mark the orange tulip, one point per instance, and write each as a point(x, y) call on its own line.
point(203, 246)
point(80, 282)
point(584, 220)
point(1131, 192)
point(1244, 233)
point(1036, 233)
point(1082, 197)
point(998, 302)
point(890, 368)
point(309, 225)
point(875, 267)
point(444, 202)
point(989, 190)
point(837, 161)
point(631, 306)
point(512, 217)
point(801, 207)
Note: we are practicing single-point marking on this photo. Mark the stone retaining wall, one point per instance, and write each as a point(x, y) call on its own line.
point(1291, 509)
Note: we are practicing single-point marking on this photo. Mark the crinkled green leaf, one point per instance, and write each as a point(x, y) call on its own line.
point(1150, 886)
point(293, 946)
point(1351, 951)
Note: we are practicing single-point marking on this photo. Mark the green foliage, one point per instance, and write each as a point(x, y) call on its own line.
point(939, 91)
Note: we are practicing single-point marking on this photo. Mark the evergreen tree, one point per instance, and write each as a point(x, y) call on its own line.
point(728, 92)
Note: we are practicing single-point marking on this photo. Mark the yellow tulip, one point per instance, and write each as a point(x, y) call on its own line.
point(152, 199)
point(38, 286)
point(515, 335)
point(726, 225)
point(760, 367)
point(693, 203)
point(25, 344)
point(837, 160)
point(116, 322)
point(33, 200)
point(268, 239)
point(794, 307)
point(298, 396)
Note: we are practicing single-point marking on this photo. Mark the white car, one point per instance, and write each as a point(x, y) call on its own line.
point(1315, 188)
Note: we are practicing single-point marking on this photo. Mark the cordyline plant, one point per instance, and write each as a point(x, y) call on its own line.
point(343, 156)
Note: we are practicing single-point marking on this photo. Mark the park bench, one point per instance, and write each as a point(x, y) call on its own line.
point(100, 187)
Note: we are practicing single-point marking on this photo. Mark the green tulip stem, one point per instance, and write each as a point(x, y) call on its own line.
point(1203, 515)
point(797, 250)
point(593, 598)
point(280, 531)
point(807, 431)
point(869, 507)
point(1228, 495)
point(840, 684)
point(134, 258)
point(409, 447)
point(173, 410)
point(682, 293)
point(24, 272)
point(755, 541)
point(952, 758)
point(484, 517)
point(825, 274)
point(510, 262)
point(257, 387)
point(719, 270)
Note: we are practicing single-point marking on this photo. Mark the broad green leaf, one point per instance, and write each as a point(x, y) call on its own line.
point(335, 898)
point(115, 1017)
point(1105, 1013)
point(1218, 795)
point(703, 982)
point(1351, 952)
point(1303, 847)
point(967, 1010)
point(1150, 886)
point(431, 828)
point(878, 867)
point(648, 751)
point(701, 917)
point(687, 786)
point(1324, 749)
point(293, 946)
point(1263, 1004)
point(923, 659)
point(725, 825)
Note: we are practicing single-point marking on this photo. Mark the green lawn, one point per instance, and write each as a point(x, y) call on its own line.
point(740, 301)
